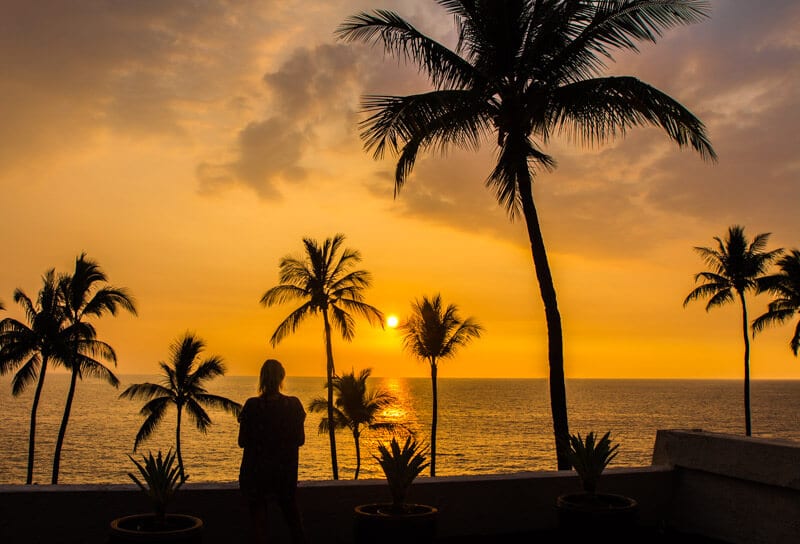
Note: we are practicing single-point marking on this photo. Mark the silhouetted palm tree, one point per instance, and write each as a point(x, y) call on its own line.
point(183, 385)
point(31, 346)
point(85, 295)
point(523, 71)
point(736, 267)
point(324, 280)
point(356, 408)
point(785, 286)
point(434, 332)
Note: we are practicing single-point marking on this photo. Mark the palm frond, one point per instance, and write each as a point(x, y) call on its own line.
point(109, 299)
point(343, 322)
point(772, 317)
point(373, 315)
point(154, 412)
point(593, 30)
point(600, 109)
point(219, 402)
point(318, 404)
point(27, 304)
point(400, 39)
point(26, 375)
point(146, 391)
point(210, 368)
point(91, 367)
point(197, 415)
point(290, 324)
point(435, 120)
point(283, 293)
point(514, 163)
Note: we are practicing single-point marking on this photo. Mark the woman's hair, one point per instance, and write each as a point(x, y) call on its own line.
point(271, 379)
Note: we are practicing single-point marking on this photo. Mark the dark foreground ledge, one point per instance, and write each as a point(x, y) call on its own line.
point(716, 486)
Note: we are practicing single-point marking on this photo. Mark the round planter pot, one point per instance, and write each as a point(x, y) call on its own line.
point(179, 528)
point(377, 523)
point(583, 514)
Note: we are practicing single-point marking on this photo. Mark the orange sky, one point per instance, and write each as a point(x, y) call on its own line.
point(187, 148)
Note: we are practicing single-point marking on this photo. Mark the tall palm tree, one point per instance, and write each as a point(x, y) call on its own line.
point(356, 408)
point(524, 70)
point(433, 332)
point(182, 385)
point(324, 280)
point(736, 267)
point(32, 346)
point(86, 295)
point(785, 286)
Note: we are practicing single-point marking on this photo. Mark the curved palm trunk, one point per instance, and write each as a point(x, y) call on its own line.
point(558, 394)
point(178, 442)
point(745, 333)
point(330, 371)
point(32, 436)
point(434, 414)
point(357, 438)
point(62, 431)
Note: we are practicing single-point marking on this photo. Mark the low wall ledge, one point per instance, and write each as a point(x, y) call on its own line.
point(764, 460)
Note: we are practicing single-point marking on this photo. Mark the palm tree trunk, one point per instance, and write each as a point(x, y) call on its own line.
point(178, 442)
point(330, 373)
point(63, 430)
point(32, 436)
point(747, 425)
point(356, 437)
point(558, 393)
point(434, 415)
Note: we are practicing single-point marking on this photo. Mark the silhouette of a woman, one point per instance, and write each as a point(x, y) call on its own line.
point(271, 432)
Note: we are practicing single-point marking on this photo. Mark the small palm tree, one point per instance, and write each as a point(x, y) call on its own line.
point(785, 287)
point(435, 331)
point(86, 295)
point(736, 267)
point(30, 347)
point(356, 408)
point(324, 280)
point(401, 465)
point(183, 385)
point(522, 72)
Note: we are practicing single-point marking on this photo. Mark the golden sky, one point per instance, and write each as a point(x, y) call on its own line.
point(187, 147)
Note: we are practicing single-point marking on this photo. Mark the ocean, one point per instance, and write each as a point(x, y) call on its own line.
point(486, 426)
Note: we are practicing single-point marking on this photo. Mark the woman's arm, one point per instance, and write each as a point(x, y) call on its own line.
point(301, 419)
point(244, 425)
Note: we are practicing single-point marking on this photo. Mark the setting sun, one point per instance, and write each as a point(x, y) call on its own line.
point(392, 321)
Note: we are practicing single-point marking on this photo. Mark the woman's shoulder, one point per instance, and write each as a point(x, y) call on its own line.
point(296, 404)
point(250, 403)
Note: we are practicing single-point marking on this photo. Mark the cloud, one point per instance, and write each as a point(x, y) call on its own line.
point(312, 104)
point(137, 69)
point(741, 74)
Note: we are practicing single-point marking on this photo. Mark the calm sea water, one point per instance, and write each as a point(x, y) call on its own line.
point(485, 426)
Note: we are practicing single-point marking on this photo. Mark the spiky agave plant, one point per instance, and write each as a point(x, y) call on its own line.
point(401, 464)
point(589, 457)
point(162, 478)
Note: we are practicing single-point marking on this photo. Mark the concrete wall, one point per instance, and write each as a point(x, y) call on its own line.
point(732, 488)
point(488, 505)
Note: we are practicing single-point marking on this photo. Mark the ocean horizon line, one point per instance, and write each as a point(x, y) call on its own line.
point(440, 377)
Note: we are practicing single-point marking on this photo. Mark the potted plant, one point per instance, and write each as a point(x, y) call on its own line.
point(397, 521)
point(162, 478)
point(588, 511)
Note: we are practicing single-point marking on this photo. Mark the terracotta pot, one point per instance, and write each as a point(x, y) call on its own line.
point(378, 523)
point(179, 528)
